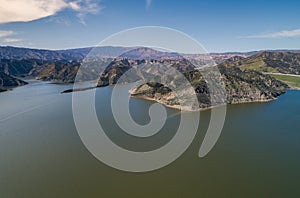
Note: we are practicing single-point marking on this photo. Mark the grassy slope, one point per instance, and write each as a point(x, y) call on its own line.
point(293, 81)
point(257, 66)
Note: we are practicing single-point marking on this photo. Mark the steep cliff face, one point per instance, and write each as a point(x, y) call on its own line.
point(241, 87)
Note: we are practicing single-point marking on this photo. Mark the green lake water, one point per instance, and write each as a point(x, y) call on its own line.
point(42, 156)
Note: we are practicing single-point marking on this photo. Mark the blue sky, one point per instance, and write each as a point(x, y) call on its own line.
point(218, 25)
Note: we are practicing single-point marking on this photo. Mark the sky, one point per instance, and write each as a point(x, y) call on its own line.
point(220, 26)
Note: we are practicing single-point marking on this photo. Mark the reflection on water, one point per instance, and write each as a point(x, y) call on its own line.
point(41, 154)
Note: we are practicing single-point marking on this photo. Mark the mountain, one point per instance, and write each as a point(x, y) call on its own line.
point(20, 67)
point(15, 53)
point(58, 72)
point(7, 82)
point(26, 53)
point(118, 67)
point(241, 86)
point(241, 72)
point(94, 52)
point(281, 62)
point(142, 53)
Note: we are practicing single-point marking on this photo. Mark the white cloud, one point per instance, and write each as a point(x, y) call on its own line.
point(85, 7)
point(11, 40)
point(74, 6)
point(58, 20)
point(29, 10)
point(4, 33)
point(148, 3)
point(281, 34)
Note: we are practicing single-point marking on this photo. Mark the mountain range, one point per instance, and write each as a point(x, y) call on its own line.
point(16, 53)
point(244, 74)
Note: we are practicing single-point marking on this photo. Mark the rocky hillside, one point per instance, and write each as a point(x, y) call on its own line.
point(58, 72)
point(7, 82)
point(20, 67)
point(241, 87)
point(120, 66)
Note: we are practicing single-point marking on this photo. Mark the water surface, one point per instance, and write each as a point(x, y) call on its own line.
point(41, 154)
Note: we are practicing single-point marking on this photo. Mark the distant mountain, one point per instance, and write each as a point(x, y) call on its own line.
point(142, 53)
point(137, 53)
point(71, 54)
point(94, 52)
point(25, 53)
point(269, 61)
point(15, 53)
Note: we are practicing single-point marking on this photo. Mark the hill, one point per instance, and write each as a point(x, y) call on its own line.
point(275, 62)
point(7, 82)
point(241, 87)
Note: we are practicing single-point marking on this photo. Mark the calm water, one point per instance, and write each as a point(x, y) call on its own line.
point(41, 154)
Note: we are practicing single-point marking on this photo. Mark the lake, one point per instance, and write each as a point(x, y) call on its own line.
point(41, 154)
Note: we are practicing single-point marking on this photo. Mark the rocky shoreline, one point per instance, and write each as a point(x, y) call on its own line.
point(240, 86)
point(178, 107)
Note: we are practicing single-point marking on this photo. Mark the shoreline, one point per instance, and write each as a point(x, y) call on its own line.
point(177, 107)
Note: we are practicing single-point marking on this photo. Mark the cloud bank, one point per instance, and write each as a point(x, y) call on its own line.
point(4, 33)
point(29, 10)
point(11, 40)
point(281, 34)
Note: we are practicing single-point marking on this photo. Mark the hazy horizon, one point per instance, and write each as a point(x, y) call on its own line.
point(86, 47)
